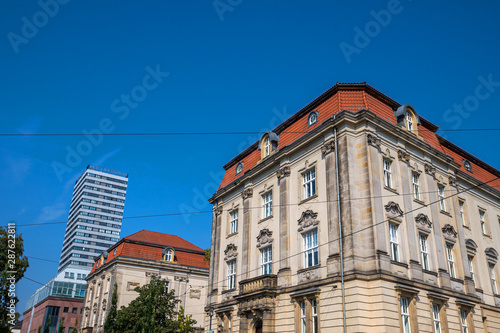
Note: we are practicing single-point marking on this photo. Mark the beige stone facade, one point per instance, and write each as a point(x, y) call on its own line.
point(406, 249)
point(128, 272)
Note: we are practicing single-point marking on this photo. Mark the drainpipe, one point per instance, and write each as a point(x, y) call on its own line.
point(212, 254)
point(340, 228)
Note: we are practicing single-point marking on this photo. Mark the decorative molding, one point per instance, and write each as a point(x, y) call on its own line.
point(247, 193)
point(452, 180)
point(403, 156)
point(283, 172)
point(423, 220)
point(307, 220)
point(328, 147)
point(181, 278)
point(449, 231)
point(231, 252)
point(264, 238)
point(374, 140)
point(156, 275)
point(393, 209)
point(430, 169)
point(491, 255)
point(218, 210)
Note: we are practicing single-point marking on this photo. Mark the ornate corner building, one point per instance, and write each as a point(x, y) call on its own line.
point(419, 220)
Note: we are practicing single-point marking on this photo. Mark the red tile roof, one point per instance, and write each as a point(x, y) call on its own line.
point(354, 97)
point(149, 245)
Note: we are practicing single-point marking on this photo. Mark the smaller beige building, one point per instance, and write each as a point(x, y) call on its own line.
point(132, 262)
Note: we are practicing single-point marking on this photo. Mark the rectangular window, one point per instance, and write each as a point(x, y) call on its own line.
point(493, 279)
point(405, 315)
point(309, 183)
point(315, 323)
point(267, 207)
point(416, 186)
point(228, 324)
point(234, 221)
point(471, 269)
point(463, 318)
point(437, 320)
point(387, 173)
point(451, 261)
point(462, 214)
point(424, 252)
point(483, 223)
point(303, 316)
point(442, 204)
point(311, 249)
point(266, 261)
point(393, 235)
point(231, 274)
point(66, 309)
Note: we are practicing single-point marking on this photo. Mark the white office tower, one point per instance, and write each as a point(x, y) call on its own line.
point(95, 217)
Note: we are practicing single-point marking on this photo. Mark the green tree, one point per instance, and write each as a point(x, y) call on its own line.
point(61, 326)
point(39, 329)
point(185, 322)
point(153, 311)
point(75, 328)
point(47, 326)
point(207, 254)
point(12, 267)
point(110, 324)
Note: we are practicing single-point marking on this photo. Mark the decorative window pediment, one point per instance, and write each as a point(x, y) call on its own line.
point(491, 255)
point(449, 232)
point(231, 252)
point(264, 238)
point(471, 247)
point(308, 220)
point(394, 212)
point(374, 140)
point(423, 222)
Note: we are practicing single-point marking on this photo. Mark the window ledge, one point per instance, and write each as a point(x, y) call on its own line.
point(390, 189)
point(308, 268)
point(266, 218)
point(457, 280)
point(228, 291)
point(445, 212)
point(419, 201)
point(487, 236)
point(430, 272)
point(233, 234)
point(397, 263)
point(308, 199)
point(466, 227)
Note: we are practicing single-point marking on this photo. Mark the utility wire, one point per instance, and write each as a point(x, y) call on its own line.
point(208, 133)
point(258, 207)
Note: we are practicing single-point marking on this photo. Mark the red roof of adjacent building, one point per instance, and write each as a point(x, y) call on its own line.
point(149, 245)
point(354, 97)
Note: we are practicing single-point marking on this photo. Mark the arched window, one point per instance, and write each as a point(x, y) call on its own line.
point(168, 254)
point(312, 118)
point(409, 121)
point(239, 167)
point(407, 117)
point(267, 146)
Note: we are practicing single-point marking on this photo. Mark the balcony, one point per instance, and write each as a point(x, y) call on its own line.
point(259, 283)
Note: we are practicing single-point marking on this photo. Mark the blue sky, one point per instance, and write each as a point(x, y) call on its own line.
point(226, 65)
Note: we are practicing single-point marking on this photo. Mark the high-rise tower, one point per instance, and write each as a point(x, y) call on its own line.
point(95, 216)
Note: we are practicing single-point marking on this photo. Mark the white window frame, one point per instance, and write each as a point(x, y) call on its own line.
point(482, 213)
point(231, 274)
point(267, 204)
point(470, 259)
point(229, 324)
point(493, 279)
point(415, 177)
point(309, 183)
point(437, 320)
point(463, 320)
point(311, 248)
point(233, 225)
point(303, 319)
point(393, 240)
point(442, 203)
point(451, 261)
point(461, 204)
point(387, 172)
point(266, 263)
point(409, 122)
point(405, 314)
point(168, 255)
point(267, 146)
point(424, 252)
point(315, 322)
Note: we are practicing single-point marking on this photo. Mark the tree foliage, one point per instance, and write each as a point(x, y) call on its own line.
point(153, 311)
point(110, 324)
point(185, 322)
point(207, 255)
point(75, 328)
point(12, 267)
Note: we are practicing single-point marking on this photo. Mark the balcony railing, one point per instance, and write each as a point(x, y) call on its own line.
point(258, 283)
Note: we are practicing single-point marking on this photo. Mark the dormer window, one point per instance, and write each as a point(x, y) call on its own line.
point(467, 165)
point(267, 147)
point(407, 117)
point(239, 167)
point(312, 118)
point(409, 122)
point(168, 254)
